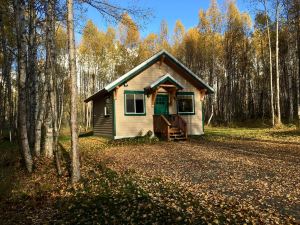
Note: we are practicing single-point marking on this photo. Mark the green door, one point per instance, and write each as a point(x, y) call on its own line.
point(161, 106)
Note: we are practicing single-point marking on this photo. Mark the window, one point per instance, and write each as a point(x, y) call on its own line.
point(185, 103)
point(135, 103)
point(107, 106)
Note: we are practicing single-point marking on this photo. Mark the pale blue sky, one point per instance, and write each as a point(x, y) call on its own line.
point(170, 10)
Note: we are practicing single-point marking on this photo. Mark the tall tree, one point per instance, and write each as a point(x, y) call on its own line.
point(179, 32)
point(270, 64)
point(73, 77)
point(129, 32)
point(277, 63)
point(19, 7)
point(164, 35)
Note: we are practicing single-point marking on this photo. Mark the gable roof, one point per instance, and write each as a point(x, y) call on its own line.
point(146, 64)
point(166, 78)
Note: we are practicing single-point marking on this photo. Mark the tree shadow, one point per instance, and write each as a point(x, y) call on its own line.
point(66, 158)
point(113, 198)
point(10, 163)
point(86, 134)
point(282, 134)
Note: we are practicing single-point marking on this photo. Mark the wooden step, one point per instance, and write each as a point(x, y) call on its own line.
point(178, 139)
point(177, 135)
point(173, 129)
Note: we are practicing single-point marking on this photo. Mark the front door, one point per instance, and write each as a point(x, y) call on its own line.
point(161, 106)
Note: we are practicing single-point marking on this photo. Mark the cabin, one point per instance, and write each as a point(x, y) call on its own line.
point(160, 95)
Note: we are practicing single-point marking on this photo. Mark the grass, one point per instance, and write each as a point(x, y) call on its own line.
point(285, 134)
point(110, 195)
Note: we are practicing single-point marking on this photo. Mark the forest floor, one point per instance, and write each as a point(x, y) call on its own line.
point(227, 176)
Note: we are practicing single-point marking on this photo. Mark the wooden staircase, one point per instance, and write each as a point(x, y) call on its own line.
point(176, 134)
point(171, 127)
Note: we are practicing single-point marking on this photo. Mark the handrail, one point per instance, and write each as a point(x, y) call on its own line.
point(179, 122)
point(162, 126)
point(165, 120)
point(182, 124)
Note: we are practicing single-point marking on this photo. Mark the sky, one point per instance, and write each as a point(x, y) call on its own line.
point(169, 10)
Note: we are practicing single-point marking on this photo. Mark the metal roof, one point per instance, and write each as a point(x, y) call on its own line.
point(135, 71)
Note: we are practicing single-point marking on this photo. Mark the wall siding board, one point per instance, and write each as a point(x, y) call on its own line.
point(128, 126)
point(102, 125)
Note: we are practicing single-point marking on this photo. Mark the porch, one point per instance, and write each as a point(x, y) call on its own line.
point(170, 127)
point(167, 124)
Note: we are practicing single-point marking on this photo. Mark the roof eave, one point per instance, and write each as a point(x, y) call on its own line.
point(96, 95)
point(129, 75)
point(210, 90)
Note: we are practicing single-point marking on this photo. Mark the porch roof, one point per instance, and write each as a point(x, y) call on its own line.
point(167, 78)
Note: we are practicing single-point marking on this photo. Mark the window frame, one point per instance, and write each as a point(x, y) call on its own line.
point(125, 106)
point(193, 99)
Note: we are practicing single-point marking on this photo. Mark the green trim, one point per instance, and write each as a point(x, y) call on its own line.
point(200, 84)
point(114, 116)
point(134, 114)
point(187, 113)
point(167, 97)
point(134, 74)
point(134, 92)
point(185, 93)
point(152, 61)
point(167, 79)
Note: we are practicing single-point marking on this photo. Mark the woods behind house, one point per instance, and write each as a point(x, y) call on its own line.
point(253, 63)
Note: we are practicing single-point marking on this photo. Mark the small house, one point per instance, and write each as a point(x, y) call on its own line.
point(159, 95)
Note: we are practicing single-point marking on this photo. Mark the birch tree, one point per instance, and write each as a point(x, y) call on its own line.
point(270, 64)
point(19, 7)
point(277, 63)
point(73, 78)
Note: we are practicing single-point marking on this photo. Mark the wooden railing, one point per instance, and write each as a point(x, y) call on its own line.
point(161, 125)
point(177, 121)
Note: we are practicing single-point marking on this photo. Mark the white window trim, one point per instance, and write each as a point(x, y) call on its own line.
point(193, 102)
point(134, 103)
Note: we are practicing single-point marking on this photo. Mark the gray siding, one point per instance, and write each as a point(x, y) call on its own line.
point(102, 125)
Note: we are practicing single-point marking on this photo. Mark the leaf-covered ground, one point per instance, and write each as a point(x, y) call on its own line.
point(229, 176)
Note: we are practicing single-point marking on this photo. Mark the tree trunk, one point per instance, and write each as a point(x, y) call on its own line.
point(32, 81)
point(277, 65)
point(53, 86)
point(270, 66)
point(73, 77)
point(40, 117)
point(22, 114)
point(48, 150)
point(6, 70)
point(290, 96)
point(298, 52)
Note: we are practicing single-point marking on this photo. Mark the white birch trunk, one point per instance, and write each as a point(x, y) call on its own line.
point(22, 114)
point(73, 77)
point(277, 66)
point(270, 66)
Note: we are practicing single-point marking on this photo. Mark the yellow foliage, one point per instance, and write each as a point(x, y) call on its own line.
point(128, 32)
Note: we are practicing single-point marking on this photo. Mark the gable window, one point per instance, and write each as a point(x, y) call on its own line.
point(185, 103)
point(135, 103)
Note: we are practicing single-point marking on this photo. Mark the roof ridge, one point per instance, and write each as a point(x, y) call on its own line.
point(147, 63)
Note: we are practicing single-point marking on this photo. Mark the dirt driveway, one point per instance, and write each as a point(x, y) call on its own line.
point(261, 177)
